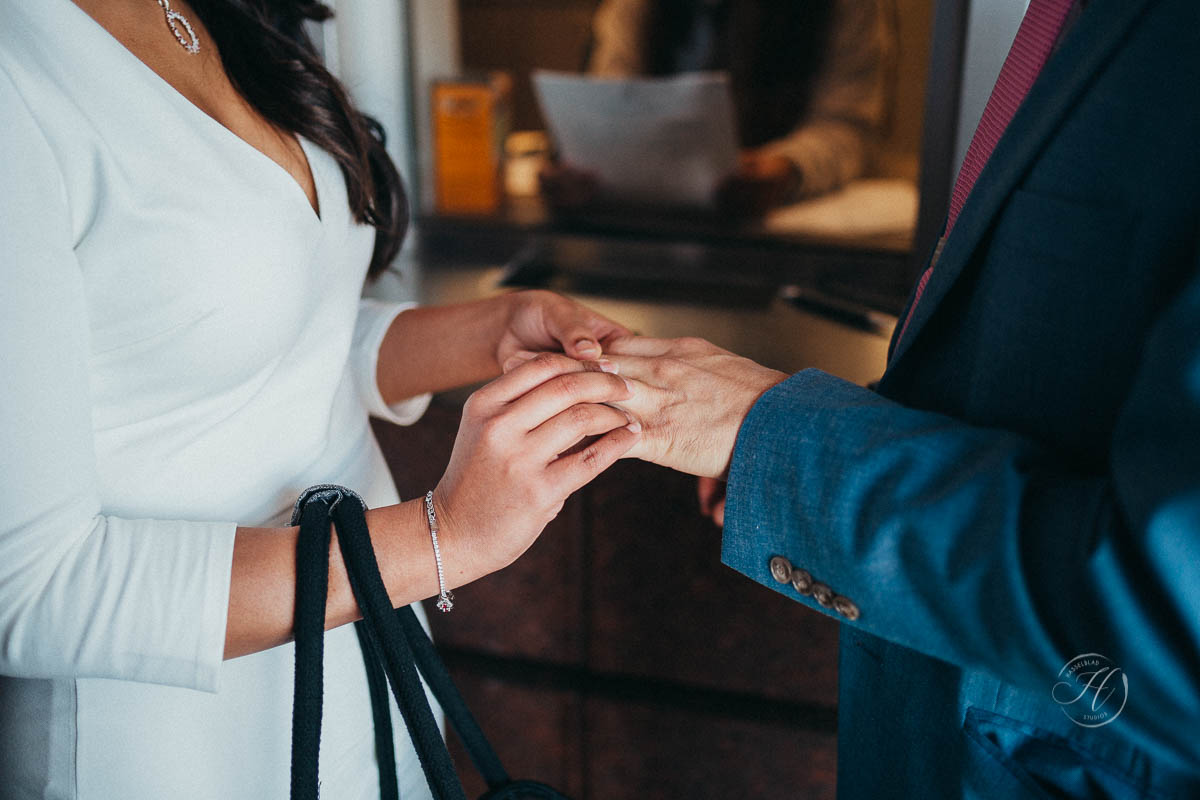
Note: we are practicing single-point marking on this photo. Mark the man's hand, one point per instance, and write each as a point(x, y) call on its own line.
point(541, 321)
point(711, 494)
point(690, 397)
point(567, 188)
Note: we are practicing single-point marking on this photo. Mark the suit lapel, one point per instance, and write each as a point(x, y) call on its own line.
point(1096, 35)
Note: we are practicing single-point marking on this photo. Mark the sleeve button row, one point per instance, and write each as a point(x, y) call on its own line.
point(846, 607)
point(781, 569)
point(802, 581)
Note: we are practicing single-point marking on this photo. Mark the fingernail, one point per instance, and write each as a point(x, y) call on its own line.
point(512, 363)
point(608, 366)
point(634, 427)
point(587, 347)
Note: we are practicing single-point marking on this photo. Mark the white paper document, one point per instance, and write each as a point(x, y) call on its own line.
point(667, 141)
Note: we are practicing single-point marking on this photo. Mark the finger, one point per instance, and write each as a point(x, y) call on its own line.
point(534, 372)
point(718, 512)
point(577, 469)
point(645, 369)
point(640, 346)
point(580, 332)
point(571, 330)
point(606, 330)
point(517, 359)
point(579, 343)
point(647, 402)
point(560, 393)
point(564, 430)
point(617, 333)
point(709, 491)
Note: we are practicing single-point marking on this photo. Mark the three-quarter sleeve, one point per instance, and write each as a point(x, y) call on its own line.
point(82, 593)
point(374, 319)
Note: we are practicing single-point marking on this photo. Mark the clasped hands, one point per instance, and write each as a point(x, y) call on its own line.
point(687, 396)
point(578, 392)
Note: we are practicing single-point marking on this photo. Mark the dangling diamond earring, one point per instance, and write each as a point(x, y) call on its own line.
point(190, 42)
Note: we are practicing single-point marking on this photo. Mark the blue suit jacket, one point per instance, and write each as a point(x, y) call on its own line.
point(1025, 485)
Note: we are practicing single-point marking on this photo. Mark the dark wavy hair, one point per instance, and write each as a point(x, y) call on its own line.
point(271, 60)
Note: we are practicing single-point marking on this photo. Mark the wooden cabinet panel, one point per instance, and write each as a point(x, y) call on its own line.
point(663, 605)
point(535, 731)
point(531, 609)
point(649, 753)
point(606, 746)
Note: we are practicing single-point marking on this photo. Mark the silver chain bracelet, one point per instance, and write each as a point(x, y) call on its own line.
point(445, 598)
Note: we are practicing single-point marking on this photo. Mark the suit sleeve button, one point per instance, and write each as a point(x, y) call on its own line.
point(781, 569)
point(846, 607)
point(822, 594)
point(802, 580)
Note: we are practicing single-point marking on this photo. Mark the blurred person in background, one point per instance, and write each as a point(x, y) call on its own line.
point(810, 82)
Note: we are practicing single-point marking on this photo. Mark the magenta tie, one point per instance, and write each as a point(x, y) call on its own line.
point(1030, 49)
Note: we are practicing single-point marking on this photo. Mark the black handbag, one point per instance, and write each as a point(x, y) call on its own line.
point(394, 647)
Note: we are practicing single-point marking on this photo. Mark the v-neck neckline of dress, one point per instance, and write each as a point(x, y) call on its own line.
point(180, 99)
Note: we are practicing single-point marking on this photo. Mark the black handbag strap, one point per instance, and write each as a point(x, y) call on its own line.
point(385, 753)
point(315, 509)
point(394, 646)
point(433, 669)
point(312, 586)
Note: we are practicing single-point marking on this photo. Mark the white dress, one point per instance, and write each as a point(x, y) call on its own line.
point(182, 350)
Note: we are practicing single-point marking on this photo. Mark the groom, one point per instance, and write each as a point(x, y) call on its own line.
point(1009, 529)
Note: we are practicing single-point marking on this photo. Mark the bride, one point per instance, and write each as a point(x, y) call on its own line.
point(190, 205)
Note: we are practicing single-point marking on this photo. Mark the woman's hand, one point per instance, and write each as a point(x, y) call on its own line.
point(526, 442)
point(435, 348)
point(540, 320)
point(566, 188)
point(691, 398)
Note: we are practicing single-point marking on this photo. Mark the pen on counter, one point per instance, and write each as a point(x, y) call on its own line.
point(847, 312)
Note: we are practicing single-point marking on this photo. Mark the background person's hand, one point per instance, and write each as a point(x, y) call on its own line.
point(516, 458)
point(541, 320)
point(690, 397)
point(567, 188)
point(761, 182)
